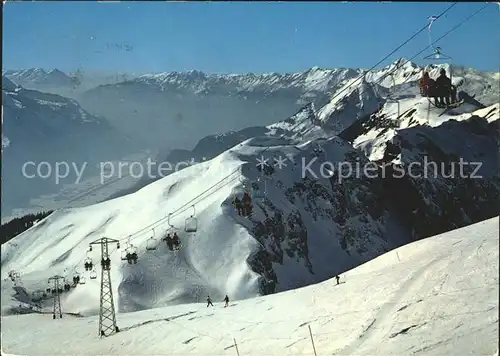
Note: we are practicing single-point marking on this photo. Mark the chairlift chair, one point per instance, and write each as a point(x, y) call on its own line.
point(439, 57)
point(82, 280)
point(131, 254)
point(191, 223)
point(125, 252)
point(151, 243)
point(124, 255)
point(88, 264)
point(93, 274)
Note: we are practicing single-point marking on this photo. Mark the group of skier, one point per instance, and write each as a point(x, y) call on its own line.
point(173, 242)
point(226, 299)
point(244, 206)
point(209, 301)
point(441, 89)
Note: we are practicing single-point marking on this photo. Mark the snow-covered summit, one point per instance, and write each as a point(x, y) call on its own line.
point(314, 79)
point(39, 76)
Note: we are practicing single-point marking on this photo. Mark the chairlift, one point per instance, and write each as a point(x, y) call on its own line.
point(191, 223)
point(438, 56)
point(168, 220)
point(124, 255)
point(125, 252)
point(131, 255)
point(82, 280)
point(171, 227)
point(151, 243)
point(93, 274)
point(76, 278)
point(88, 264)
point(257, 192)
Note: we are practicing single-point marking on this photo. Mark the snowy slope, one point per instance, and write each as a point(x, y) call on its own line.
point(306, 221)
point(438, 296)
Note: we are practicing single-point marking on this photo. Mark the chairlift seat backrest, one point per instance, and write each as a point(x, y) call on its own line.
point(191, 224)
point(151, 244)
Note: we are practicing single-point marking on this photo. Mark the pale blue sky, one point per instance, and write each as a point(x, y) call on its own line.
point(223, 37)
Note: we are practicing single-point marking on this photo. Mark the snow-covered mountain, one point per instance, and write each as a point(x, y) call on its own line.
point(71, 84)
point(436, 296)
point(40, 127)
point(152, 107)
point(308, 217)
point(39, 76)
point(366, 111)
point(182, 108)
point(345, 182)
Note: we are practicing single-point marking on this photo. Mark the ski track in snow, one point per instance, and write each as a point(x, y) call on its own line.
point(389, 308)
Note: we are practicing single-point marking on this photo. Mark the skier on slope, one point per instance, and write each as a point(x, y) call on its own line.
point(209, 302)
point(226, 299)
point(337, 278)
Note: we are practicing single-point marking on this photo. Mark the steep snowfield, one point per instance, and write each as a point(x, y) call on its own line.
point(432, 297)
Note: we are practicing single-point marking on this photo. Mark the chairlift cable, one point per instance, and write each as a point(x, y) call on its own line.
point(444, 35)
point(430, 45)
